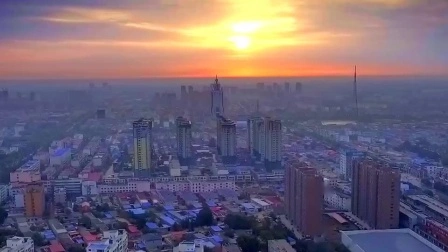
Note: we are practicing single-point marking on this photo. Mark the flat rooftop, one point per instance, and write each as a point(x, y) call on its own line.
point(389, 240)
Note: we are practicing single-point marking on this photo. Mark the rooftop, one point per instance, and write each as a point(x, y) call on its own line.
point(389, 240)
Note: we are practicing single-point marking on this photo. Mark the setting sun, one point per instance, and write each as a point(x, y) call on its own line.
point(241, 42)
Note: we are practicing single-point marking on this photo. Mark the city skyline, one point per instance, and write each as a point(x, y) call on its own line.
point(138, 39)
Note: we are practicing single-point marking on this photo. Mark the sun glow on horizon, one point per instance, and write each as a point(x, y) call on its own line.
point(241, 42)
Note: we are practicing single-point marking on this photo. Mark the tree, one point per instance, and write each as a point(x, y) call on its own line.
point(229, 233)
point(428, 192)
point(248, 243)
point(3, 215)
point(85, 221)
point(204, 217)
point(38, 239)
point(76, 208)
point(77, 249)
point(237, 221)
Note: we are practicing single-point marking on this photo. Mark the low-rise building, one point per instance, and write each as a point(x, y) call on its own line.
point(113, 241)
point(18, 244)
point(190, 246)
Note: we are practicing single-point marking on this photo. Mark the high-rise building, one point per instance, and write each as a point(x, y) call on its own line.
point(265, 141)
point(34, 200)
point(183, 138)
point(217, 95)
point(273, 144)
point(190, 90)
point(142, 146)
point(226, 140)
point(260, 86)
point(183, 93)
point(376, 193)
point(346, 162)
point(298, 87)
point(287, 87)
point(304, 196)
point(254, 130)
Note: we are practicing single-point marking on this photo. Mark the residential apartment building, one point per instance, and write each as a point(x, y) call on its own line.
point(142, 130)
point(34, 200)
point(376, 194)
point(304, 198)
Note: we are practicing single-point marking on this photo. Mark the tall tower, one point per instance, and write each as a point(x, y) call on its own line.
point(183, 93)
point(217, 98)
point(273, 144)
point(226, 140)
point(376, 194)
point(304, 196)
point(355, 94)
point(183, 138)
point(142, 147)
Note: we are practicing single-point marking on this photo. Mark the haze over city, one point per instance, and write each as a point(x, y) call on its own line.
point(192, 38)
point(224, 126)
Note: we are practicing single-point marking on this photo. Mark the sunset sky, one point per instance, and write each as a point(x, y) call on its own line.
point(174, 38)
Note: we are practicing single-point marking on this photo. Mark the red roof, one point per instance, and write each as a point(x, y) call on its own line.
point(133, 229)
point(95, 176)
point(57, 247)
point(88, 237)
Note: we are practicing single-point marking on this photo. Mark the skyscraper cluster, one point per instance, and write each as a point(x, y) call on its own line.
point(142, 130)
point(226, 139)
point(183, 139)
point(304, 193)
point(265, 141)
point(376, 193)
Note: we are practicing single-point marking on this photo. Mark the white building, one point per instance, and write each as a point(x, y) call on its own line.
point(175, 168)
point(190, 246)
point(89, 188)
point(183, 139)
point(346, 162)
point(18, 244)
point(433, 171)
point(113, 241)
point(338, 200)
point(142, 145)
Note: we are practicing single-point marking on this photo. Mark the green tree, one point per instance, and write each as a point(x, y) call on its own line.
point(205, 217)
point(238, 222)
point(85, 221)
point(3, 215)
point(76, 249)
point(38, 239)
point(248, 243)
